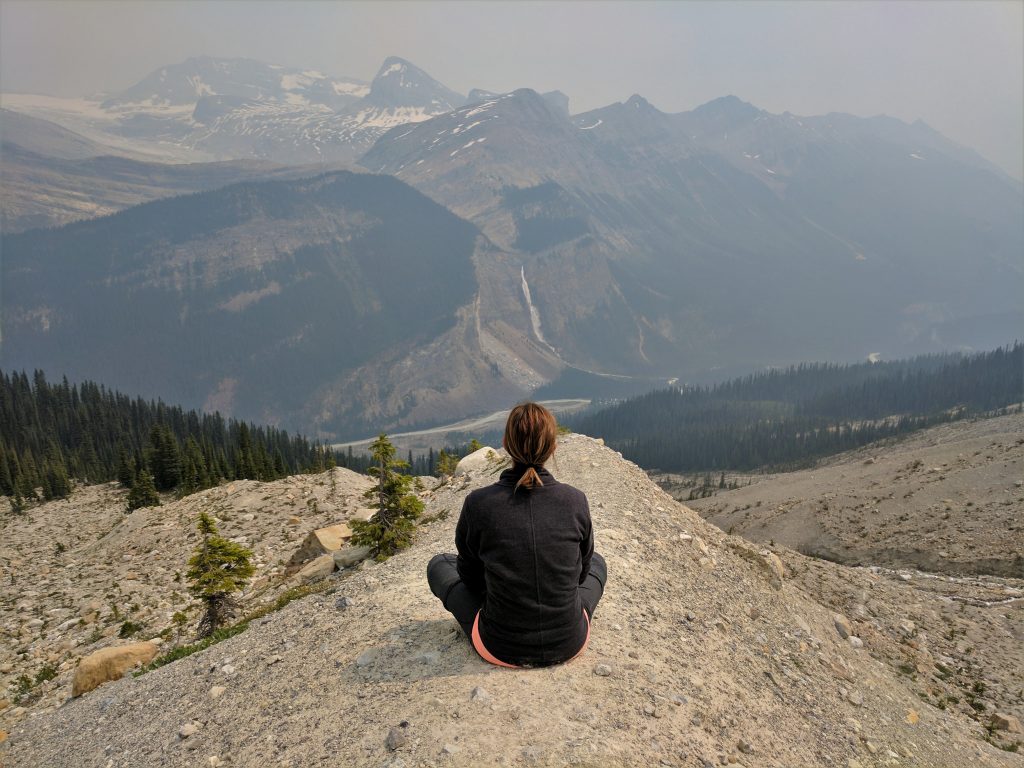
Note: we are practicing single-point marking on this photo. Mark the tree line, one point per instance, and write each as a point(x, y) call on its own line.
point(51, 434)
point(789, 417)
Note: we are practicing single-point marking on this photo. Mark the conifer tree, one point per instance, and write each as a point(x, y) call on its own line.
point(392, 526)
point(217, 569)
point(125, 468)
point(446, 464)
point(143, 492)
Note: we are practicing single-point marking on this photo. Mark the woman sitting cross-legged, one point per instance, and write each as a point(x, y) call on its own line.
point(526, 579)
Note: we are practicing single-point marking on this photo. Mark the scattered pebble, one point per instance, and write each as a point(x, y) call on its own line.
point(479, 694)
point(603, 670)
point(397, 737)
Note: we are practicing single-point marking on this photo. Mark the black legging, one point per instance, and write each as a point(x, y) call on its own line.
point(463, 604)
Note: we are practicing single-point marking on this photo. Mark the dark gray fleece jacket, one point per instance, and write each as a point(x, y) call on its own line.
point(526, 552)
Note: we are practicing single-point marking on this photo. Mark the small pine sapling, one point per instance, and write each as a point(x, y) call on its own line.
point(217, 569)
point(392, 526)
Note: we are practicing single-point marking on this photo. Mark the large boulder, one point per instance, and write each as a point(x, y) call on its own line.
point(110, 664)
point(476, 461)
point(322, 541)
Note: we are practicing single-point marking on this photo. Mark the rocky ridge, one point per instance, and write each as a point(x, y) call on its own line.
point(948, 499)
point(706, 650)
point(76, 572)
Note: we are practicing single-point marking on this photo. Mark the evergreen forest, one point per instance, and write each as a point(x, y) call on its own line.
point(51, 434)
point(786, 418)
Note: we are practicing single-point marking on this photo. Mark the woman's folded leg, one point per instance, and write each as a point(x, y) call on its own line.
point(455, 596)
point(593, 586)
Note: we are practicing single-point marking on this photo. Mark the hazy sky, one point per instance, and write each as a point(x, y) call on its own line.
point(957, 65)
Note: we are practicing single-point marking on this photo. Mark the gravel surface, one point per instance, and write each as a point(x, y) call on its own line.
point(699, 656)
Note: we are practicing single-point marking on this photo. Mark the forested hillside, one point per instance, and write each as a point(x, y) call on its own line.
point(294, 287)
point(787, 417)
point(52, 433)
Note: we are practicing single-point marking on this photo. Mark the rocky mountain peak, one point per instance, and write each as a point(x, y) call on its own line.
point(636, 101)
point(558, 100)
point(400, 83)
point(725, 113)
point(480, 94)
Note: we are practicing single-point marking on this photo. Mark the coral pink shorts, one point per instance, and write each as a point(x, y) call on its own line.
point(489, 657)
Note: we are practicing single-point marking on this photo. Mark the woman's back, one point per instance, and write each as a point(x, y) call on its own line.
point(526, 551)
point(526, 580)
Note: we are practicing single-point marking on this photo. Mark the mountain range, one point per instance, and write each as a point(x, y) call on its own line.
point(623, 241)
point(228, 109)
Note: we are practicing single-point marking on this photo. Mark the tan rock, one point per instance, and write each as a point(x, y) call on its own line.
point(4, 704)
point(110, 664)
point(1008, 723)
point(774, 563)
point(317, 569)
point(843, 626)
point(322, 541)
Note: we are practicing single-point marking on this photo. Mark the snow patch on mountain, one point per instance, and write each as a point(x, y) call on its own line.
point(239, 108)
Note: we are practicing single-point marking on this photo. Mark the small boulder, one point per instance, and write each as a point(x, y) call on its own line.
point(1008, 723)
point(346, 557)
point(396, 738)
point(843, 626)
point(110, 664)
point(479, 694)
point(775, 566)
point(317, 569)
